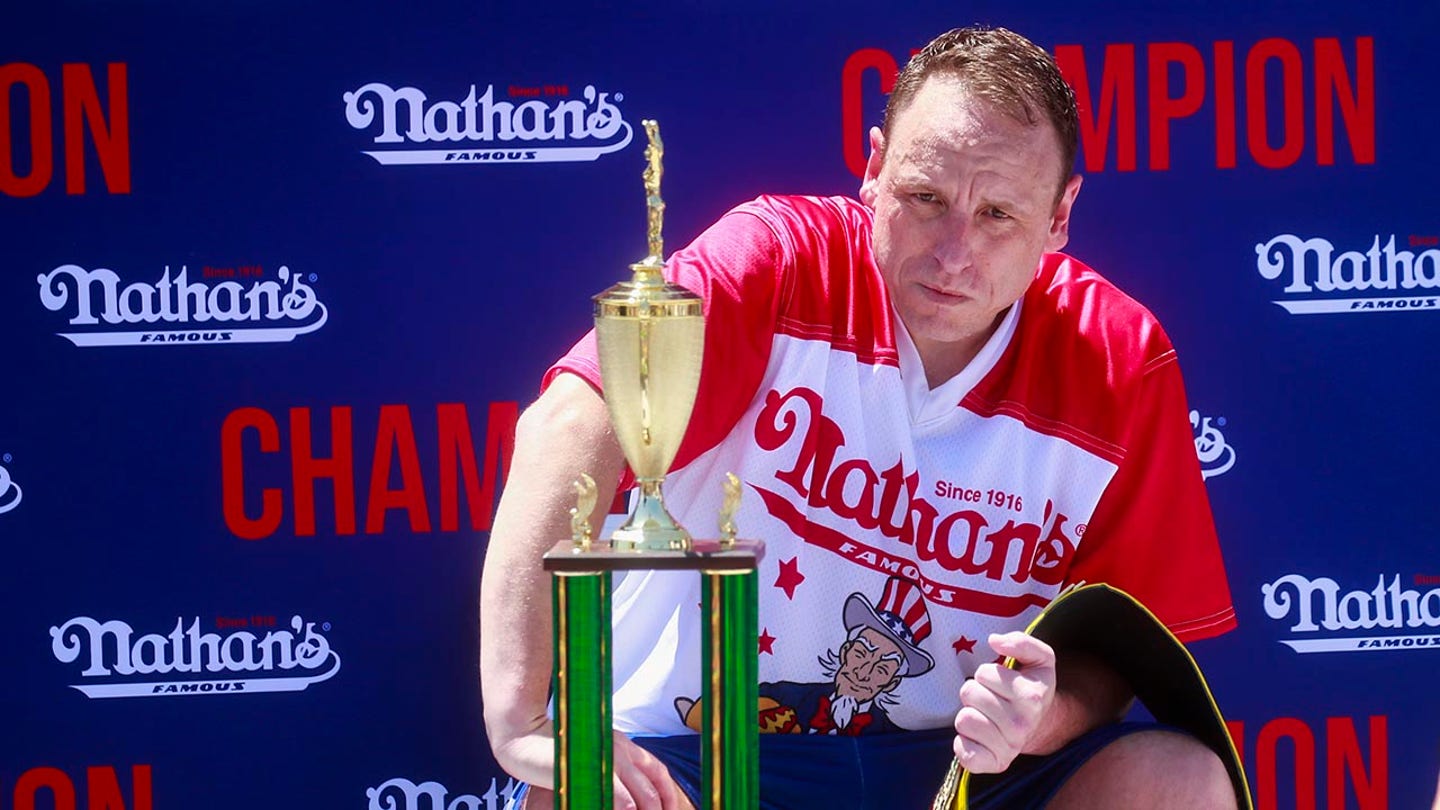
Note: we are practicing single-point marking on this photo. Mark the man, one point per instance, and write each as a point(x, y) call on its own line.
point(911, 385)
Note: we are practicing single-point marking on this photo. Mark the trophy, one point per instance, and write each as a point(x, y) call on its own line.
point(651, 335)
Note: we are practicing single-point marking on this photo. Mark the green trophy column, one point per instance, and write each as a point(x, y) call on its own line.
point(730, 662)
point(584, 761)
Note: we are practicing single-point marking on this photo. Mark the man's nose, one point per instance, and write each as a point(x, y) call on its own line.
point(954, 245)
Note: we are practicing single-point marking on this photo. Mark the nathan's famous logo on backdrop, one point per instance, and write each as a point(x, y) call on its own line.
point(1326, 619)
point(1323, 279)
point(10, 492)
point(270, 465)
point(30, 137)
point(535, 125)
point(101, 785)
point(120, 663)
point(1216, 456)
point(1124, 89)
point(403, 794)
point(184, 307)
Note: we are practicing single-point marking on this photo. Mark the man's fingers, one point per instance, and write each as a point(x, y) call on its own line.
point(1027, 650)
point(1010, 729)
point(643, 782)
point(974, 754)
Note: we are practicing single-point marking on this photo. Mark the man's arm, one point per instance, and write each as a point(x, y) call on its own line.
point(566, 432)
point(1035, 708)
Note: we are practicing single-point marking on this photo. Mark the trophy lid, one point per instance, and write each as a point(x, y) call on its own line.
point(647, 294)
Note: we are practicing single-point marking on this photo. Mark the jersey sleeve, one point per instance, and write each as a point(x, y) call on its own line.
point(1152, 534)
point(738, 267)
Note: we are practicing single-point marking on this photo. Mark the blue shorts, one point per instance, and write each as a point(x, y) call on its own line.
point(884, 771)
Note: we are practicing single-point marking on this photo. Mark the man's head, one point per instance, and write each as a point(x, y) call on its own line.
point(1003, 68)
point(970, 182)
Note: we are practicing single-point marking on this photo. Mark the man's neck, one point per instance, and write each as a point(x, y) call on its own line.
point(943, 360)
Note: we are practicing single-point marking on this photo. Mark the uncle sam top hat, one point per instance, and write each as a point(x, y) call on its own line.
point(901, 615)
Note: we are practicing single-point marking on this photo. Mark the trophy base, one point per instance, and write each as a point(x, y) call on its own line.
point(650, 538)
point(714, 556)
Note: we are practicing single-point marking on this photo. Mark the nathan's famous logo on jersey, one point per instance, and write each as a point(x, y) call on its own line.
point(1216, 457)
point(10, 492)
point(403, 794)
point(962, 540)
point(1326, 619)
point(1321, 278)
point(239, 661)
point(535, 125)
point(109, 312)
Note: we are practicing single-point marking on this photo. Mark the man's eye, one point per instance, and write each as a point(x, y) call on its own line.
point(924, 197)
point(996, 213)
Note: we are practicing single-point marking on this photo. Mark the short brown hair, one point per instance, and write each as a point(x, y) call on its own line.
point(1003, 68)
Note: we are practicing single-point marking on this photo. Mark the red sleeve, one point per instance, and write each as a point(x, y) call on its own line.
point(1152, 534)
point(737, 267)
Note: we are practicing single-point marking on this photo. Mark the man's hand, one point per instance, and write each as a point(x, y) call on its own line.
point(1002, 710)
point(641, 783)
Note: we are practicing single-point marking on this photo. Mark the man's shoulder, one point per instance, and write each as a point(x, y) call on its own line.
point(1071, 303)
point(802, 219)
point(1078, 360)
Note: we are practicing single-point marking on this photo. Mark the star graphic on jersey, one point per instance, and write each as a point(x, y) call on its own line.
point(964, 644)
point(767, 642)
point(790, 577)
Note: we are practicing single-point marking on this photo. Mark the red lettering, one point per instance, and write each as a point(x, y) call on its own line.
point(863, 510)
point(306, 468)
point(457, 461)
point(823, 439)
point(102, 786)
point(1342, 757)
point(104, 789)
point(1117, 98)
point(42, 156)
point(396, 434)
point(232, 474)
point(852, 98)
point(1225, 105)
point(62, 791)
point(1266, 751)
point(1257, 129)
point(1357, 105)
point(81, 110)
point(112, 141)
point(1345, 762)
point(1163, 107)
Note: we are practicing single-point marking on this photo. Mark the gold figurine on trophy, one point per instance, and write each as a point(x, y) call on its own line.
point(651, 335)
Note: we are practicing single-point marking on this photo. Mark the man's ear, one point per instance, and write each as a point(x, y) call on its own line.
point(1059, 233)
point(869, 187)
point(891, 686)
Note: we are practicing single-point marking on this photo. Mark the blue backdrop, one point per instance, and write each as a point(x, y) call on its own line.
point(276, 277)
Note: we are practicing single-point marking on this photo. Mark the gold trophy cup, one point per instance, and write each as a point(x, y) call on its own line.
point(651, 335)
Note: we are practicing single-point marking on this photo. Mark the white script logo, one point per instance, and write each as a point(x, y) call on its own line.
point(228, 304)
point(483, 129)
point(402, 794)
point(10, 492)
point(1311, 265)
point(1216, 457)
point(112, 649)
point(1318, 606)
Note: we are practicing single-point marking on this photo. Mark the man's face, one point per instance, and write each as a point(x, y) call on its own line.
point(868, 664)
point(964, 199)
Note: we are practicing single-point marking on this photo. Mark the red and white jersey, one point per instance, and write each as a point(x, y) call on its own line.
point(1062, 454)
